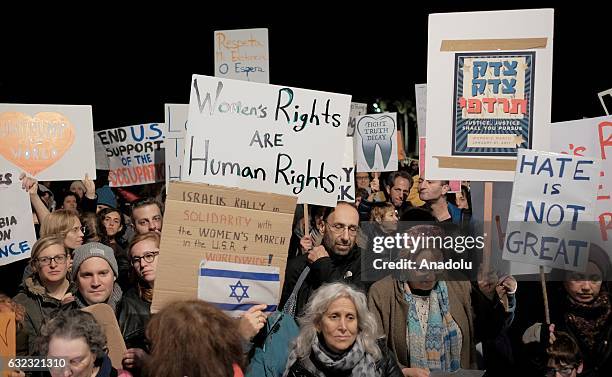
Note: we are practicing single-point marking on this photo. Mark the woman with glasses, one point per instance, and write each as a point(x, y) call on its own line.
point(64, 223)
point(135, 309)
point(78, 340)
point(47, 290)
point(432, 324)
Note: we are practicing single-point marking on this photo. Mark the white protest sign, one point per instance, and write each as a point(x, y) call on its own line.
point(421, 108)
point(489, 77)
point(376, 132)
point(357, 109)
point(591, 138)
point(242, 55)
point(552, 210)
point(16, 227)
point(48, 142)
point(174, 144)
point(266, 138)
point(605, 98)
point(347, 176)
point(135, 154)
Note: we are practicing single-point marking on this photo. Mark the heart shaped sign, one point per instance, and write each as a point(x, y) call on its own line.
point(35, 143)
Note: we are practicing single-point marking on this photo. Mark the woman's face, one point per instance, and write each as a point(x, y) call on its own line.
point(423, 276)
point(389, 220)
point(74, 237)
point(339, 325)
point(112, 223)
point(79, 358)
point(584, 287)
point(52, 264)
point(461, 201)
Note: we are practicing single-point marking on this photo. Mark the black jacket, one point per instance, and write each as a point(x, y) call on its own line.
point(387, 365)
point(330, 269)
point(133, 316)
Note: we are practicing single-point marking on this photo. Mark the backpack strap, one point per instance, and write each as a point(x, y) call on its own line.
point(291, 303)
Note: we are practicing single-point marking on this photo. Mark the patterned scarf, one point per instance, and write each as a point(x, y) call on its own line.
point(356, 359)
point(590, 319)
point(440, 347)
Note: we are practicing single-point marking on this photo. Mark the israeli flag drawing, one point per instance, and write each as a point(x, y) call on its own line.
point(235, 288)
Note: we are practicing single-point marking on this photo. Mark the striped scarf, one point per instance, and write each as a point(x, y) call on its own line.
point(440, 347)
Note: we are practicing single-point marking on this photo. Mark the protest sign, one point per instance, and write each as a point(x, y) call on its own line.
point(591, 138)
point(421, 109)
point(219, 224)
point(498, 67)
point(174, 144)
point(8, 341)
point(605, 98)
point(376, 132)
point(105, 316)
point(135, 154)
point(48, 142)
point(242, 55)
point(357, 109)
point(17, 236)
point(262, 137)
point(235, 288)
point(552, 210)
point(347, 175)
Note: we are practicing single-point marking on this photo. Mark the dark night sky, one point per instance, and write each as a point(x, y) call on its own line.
point(127, 64)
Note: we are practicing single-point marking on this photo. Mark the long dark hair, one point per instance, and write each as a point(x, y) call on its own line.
point(104, 237)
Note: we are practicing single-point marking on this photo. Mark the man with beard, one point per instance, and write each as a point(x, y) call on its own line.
point(336, 259)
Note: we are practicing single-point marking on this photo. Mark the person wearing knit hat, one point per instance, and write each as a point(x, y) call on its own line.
point(95, 270)
point(106, 198)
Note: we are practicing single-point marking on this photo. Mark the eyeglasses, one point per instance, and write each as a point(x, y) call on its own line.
point(339, 228)
point(149, 257)
point(565, 371)
point(58, 259)
point(83, 229)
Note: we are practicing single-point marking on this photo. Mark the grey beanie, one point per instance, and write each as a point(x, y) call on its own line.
point(90, 250)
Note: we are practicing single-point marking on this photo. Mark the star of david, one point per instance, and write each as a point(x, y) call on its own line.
point(244, 291)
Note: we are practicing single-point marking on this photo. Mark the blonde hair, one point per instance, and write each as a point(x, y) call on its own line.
point(42, 244)
point(58, 222)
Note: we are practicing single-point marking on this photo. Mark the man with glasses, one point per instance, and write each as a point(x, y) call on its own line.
point(564, 357)
point(336, 259)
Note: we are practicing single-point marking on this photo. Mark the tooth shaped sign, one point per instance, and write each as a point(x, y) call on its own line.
point(34, 143)
point(376, 132)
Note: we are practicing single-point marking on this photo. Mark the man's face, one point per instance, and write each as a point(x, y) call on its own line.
point(431, 190)
point(362, 180)
point(147, 219)
point(95, 280)
point(70, 203)
point(401, 187)
point(584, 287)
point(341, 229)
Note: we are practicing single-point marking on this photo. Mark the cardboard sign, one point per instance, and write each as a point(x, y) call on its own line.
point(261, 137)
point(591, 138)
point(357, 109)
point(376, 132)
point(242, 55)
point(498, 67)
point(553, 200)
point(347, 175)
point(48, 142)
point(222, 225)
point(421, 109)
point(17, 236)
point(176, 125)
point(135, 154)
point(8, 340)
point(605, 98)
point(105, 316)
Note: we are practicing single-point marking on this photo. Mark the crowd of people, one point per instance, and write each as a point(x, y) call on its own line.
point(102, 246)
